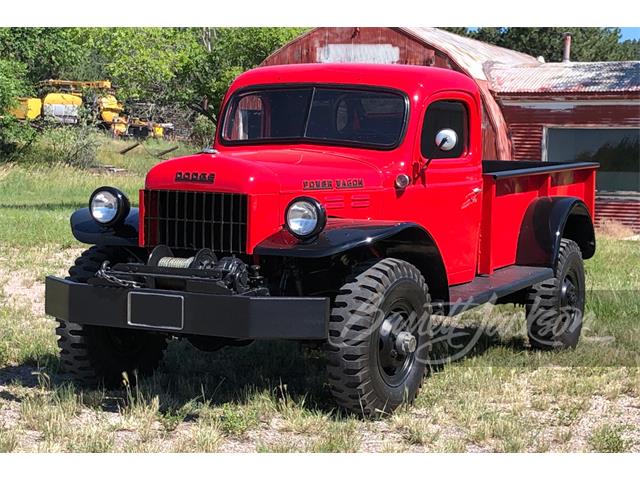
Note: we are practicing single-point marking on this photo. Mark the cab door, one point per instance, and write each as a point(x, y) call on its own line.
point(450, 177)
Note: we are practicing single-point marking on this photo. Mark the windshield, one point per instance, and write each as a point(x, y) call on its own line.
point(368, 118)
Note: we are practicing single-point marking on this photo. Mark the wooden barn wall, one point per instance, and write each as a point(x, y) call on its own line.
point(526, 139)
point(489, 150)
point(411, 52)
point(305, 48)
point(573, 113)
point(625, 211)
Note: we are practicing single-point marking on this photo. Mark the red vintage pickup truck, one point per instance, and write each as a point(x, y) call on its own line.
point(343, 206)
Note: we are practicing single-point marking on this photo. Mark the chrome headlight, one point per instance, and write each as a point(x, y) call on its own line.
point(108, 206)
point(305, 217)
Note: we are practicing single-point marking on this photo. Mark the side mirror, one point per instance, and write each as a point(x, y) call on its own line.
point(446, 139)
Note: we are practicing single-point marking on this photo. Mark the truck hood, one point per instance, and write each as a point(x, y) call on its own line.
point(263, 171)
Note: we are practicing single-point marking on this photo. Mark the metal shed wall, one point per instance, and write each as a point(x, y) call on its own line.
point(528, 116)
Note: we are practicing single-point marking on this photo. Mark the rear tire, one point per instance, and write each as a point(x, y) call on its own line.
point(377, 312)
point(555, 307)
point(95, 354)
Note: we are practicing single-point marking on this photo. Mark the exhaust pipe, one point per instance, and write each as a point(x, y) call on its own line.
point(566, 48)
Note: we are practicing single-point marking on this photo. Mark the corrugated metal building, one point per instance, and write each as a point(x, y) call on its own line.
point(570, 111)
point(579, 111)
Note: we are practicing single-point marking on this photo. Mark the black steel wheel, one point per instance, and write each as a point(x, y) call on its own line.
point(378, 345)
point(103, 355)
point(555, 307)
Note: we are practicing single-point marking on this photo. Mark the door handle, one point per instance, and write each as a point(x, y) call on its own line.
point(476, 190)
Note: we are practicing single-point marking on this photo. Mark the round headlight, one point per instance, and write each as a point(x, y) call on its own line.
point(108, 205)
point(305, 217)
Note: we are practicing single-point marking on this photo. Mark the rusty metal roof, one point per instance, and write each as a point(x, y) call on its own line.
point(468, 53)
point(578, 77)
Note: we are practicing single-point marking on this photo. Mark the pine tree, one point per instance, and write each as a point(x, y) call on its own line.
point(588, 44)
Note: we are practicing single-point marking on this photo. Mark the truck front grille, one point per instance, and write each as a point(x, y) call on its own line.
point(194, 220)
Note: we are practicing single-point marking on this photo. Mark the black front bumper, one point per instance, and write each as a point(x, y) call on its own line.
point(178, 312)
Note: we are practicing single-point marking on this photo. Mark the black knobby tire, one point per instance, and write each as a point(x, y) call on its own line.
point(555, 307)
point(96, 355)
point(360, 374)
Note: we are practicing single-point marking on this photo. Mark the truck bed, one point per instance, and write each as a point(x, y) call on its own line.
point(510, 187)
point(517, 168)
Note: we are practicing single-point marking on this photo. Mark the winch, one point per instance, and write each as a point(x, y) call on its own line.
point(162, 256)
point(202, 272)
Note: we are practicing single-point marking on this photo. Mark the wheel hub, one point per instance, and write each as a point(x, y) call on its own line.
point(406, 343)
point(397, 346)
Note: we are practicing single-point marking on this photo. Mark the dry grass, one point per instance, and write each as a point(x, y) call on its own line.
point(613, 229)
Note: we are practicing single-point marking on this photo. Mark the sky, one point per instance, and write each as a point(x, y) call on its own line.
point(630, 33)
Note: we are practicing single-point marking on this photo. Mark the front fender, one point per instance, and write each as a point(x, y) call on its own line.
point(548, 220)
point(86, 230)
point(338, 236)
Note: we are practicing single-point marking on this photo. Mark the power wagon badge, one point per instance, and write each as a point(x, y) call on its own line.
point(195, 177)
point(331, 184)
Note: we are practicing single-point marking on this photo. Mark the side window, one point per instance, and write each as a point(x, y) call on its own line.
point(445, 115)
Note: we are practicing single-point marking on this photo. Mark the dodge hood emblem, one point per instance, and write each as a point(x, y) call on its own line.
point(195, 177)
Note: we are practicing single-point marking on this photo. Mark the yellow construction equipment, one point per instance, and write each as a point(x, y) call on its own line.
point(76, 85)
point(109, 108)
point(158, 130)
point(62, 107)
point(27, 109)
point(62, 101)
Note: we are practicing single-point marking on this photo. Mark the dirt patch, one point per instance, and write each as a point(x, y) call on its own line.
point(624, 412)
point(22, 289)
point(110, 169)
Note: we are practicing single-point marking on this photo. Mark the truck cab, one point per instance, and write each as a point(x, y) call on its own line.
point(341, 205)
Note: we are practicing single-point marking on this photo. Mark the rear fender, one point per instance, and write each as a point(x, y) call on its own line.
point(548, 220)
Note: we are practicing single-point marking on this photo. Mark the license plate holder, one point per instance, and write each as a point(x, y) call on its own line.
point(155, 310)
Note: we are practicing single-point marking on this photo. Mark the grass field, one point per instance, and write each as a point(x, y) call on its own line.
point(271, 396)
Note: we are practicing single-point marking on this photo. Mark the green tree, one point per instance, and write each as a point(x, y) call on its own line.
point(630, 49)
point(12, 85)
point(457, 30)
point(141, 62)
point(224, 54)
point(188, 66)
point(45, 52)
point(588, 44)
point(191, 67)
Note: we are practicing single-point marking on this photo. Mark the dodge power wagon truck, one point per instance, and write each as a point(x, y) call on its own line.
point(343, 206)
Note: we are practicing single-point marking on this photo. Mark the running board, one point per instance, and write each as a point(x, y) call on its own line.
point(486, 288)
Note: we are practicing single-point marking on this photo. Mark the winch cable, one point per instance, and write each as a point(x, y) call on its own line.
point(175, 262)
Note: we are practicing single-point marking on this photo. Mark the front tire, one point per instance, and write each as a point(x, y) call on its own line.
point(379, 339)
point(95, 355)
point(555, 307)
